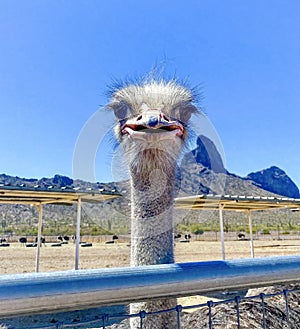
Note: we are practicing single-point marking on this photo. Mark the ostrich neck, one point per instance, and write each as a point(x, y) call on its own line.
point(152, 195)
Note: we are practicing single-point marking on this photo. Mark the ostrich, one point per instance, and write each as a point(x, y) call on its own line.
point(152, 128)
point(66, 238)
point(23, 240)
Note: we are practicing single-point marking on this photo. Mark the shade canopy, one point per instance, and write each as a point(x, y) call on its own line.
point(235, 202)
point(34, 196)
point(64, 196)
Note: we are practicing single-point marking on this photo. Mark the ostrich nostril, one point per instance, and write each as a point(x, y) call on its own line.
point(164, 117)
point(139, 117)
point(153, 121)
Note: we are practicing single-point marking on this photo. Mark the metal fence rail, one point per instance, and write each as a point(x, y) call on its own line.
point(36, 293)
point(68, 290)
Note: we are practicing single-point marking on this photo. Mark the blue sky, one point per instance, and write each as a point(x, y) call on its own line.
point(57, 58)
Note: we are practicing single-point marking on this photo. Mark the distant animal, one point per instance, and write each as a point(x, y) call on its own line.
point(23, 240)
point(60, 238)
point(66, 238)
point(241, 236)
point(43, 240)
point(86, 244)
point(177, 236)
point(152, 127)
point(3, 240)
point(115, 237)
point(187, 236)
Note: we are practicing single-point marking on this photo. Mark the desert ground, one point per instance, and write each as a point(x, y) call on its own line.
point(20, 259)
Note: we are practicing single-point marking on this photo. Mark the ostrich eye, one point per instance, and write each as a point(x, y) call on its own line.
point(121, 111)
point(176, 113)
point(182, 113)
point(185, 115)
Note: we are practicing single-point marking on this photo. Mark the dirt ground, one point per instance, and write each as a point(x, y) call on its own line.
point(20, 259)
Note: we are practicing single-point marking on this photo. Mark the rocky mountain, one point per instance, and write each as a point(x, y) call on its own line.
point(275, 180)
point(201, 172)
point(56, 181)
point(207, 155)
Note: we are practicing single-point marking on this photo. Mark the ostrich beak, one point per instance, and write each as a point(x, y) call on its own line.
point(152, 121)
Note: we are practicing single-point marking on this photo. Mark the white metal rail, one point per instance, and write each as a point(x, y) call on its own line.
point(34, 293)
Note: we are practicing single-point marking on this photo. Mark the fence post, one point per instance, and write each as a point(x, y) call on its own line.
point(38, 247)
point(250, 233)
point(77, 240)
point(142, 316)
point(237, 301)
point(287, 309)
point(178, 310)
point(210, 303)
point(262, 297)
point(221, 207)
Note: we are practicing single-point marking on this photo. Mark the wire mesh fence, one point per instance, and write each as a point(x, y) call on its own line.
point(274, 308)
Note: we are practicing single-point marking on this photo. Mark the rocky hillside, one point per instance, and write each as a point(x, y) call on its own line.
point(201, 172)
point(275, 180)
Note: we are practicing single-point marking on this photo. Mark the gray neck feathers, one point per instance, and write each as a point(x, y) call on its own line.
point(152, 208)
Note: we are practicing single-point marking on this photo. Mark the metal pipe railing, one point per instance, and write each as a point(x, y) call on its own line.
point(34, 293)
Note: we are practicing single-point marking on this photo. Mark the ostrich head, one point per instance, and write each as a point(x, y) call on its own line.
point(152, 123)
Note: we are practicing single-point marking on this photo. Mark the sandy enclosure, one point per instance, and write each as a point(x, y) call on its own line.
point(20, 259)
